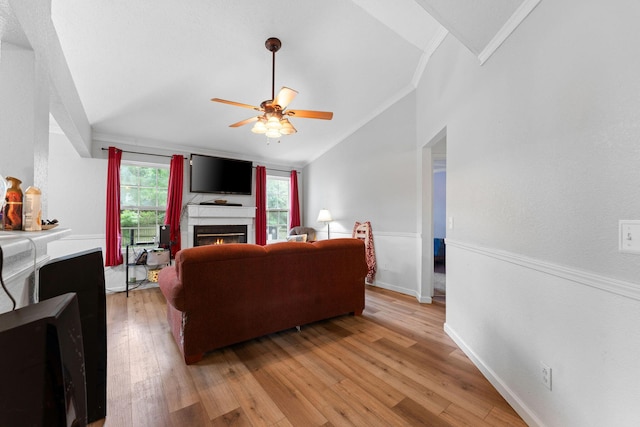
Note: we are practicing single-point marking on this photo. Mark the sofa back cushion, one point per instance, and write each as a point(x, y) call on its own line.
point(210, 272)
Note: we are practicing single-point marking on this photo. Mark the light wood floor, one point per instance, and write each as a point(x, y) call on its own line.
point(393, 366)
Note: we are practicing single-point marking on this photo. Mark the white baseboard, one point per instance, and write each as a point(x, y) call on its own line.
point(424, 299)
point(516, 403)
point(394, 288)
point(405, 291)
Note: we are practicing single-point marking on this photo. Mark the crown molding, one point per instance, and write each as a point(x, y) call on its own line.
point(428, 51)
point(101, 139)
point(509, 27)
point(381, 108)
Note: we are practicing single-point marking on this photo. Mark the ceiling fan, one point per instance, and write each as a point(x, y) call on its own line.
point(274, 120)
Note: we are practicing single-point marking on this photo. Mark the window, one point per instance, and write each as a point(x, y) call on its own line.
point(277, 208)
point(143, 201)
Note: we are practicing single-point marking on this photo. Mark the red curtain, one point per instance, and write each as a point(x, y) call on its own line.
point(261, 205)
point(294, 216)
point(113, 251)
point(174, 201)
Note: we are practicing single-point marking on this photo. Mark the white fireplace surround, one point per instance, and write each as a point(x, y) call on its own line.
point(221, 215)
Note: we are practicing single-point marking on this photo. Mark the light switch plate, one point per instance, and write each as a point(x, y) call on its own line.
point(629, 236)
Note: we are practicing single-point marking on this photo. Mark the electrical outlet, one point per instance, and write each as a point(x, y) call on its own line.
point(545, 373)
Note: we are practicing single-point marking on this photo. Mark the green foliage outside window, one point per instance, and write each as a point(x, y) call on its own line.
point(143, 201)
point(277, 207)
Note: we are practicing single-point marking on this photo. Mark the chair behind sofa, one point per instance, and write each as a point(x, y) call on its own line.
point(310, 232)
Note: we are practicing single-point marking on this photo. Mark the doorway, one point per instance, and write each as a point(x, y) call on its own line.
point(434, 219)
point(439, 226)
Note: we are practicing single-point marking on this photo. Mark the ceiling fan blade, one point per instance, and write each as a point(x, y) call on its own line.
point(309, 114)
point(237, 104)
point(244, 122)
point(284, 97)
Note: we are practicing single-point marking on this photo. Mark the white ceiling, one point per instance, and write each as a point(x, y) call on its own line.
point(145, 70)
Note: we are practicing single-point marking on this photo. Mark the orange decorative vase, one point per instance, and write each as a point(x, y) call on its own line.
point(13, 209)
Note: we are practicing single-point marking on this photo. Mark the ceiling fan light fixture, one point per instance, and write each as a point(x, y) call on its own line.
point(273, 123)
point(259, 127)
point(287, 128)
point(273, 133)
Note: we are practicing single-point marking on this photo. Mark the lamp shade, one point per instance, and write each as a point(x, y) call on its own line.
point(324, 216)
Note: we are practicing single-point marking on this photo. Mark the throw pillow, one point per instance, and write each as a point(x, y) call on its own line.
point(297, 238)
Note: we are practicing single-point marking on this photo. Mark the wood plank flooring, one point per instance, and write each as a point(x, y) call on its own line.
point(392, 366)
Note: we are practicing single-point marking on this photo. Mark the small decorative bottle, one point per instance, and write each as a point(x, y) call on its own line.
point(32, 209)
point(13, 209)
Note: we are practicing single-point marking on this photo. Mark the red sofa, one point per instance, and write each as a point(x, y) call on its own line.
point(219, 295)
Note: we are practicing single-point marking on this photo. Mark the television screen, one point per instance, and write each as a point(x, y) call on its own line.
point(219, 175)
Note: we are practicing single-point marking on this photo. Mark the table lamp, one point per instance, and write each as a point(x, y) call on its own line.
point(325, 216)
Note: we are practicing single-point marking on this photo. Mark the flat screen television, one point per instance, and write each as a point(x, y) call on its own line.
point(219, 175)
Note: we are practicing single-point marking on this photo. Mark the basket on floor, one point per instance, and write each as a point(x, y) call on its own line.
point(152, 275)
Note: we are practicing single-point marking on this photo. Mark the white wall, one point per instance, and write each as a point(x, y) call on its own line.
point(542, 161)
point(24, 101)
point(78, 186)
point(371, 176)
point(77, 199)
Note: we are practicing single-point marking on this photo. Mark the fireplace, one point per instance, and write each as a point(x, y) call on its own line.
point(220, 215)
point(219, 234)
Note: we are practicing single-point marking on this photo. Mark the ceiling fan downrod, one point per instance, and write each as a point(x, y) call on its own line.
point(273, 44)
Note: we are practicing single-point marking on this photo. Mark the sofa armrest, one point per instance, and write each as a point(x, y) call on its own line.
point(171, 287)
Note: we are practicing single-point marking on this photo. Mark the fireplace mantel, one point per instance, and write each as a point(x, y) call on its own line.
point(221, 215)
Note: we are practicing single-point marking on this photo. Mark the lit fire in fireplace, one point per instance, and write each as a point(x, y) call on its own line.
point(219, 234)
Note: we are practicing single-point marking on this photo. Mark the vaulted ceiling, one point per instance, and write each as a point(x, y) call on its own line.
point(145, 71)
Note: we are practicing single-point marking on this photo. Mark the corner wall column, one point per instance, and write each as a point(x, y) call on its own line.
point(24, 108)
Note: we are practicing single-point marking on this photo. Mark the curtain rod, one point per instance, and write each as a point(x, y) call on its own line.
point(280, 170)
point(186, 158)
point(144, 154)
